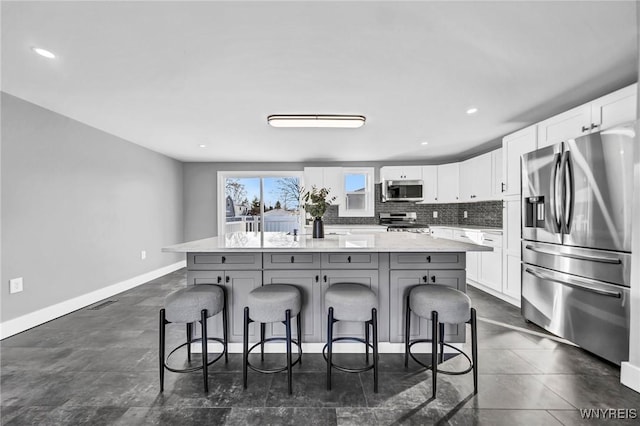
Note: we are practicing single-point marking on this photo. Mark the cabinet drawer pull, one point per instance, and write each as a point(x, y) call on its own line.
point(502, 186)
point(433, 278)
point(585, 128)
point(594, 126)
point(292, 259)
point(227, 279)
point(428, 259)
point(349, 259)
point(487, 239)
point(224, 259)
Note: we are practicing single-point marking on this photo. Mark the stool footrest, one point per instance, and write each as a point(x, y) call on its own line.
point(341, 367)
point(279, 369)
point(198, 367)
point(429, 367)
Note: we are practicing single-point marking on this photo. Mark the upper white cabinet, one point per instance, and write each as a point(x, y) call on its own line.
point(430, 184)
point(401, 173)
point(448, 181)
point(497, 183)
point(513, 146)
point(475, 178)
point(326, 177)
point(614, 108)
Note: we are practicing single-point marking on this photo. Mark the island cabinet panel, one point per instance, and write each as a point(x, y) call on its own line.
point(237, 285)
point(216, 261)
point(350, 260)
point(402, 281)
point(291, 260)
point(308, 282)
point(428, 260)
point(331, 277)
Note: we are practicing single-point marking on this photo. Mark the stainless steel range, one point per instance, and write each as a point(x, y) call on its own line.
point(403, 222)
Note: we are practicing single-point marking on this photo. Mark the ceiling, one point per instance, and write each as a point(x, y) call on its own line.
point(172, 76)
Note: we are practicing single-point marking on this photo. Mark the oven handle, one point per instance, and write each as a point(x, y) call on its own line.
point(615, 261)
point(577, 284)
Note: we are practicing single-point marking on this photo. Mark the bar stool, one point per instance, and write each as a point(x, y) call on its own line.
point(352, 302)
point(189, 305)
point(267, 304)
point(444, 305)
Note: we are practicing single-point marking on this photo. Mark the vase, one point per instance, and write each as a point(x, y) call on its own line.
point(318, 228)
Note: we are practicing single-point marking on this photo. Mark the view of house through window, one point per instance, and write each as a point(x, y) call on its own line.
point(263, 203)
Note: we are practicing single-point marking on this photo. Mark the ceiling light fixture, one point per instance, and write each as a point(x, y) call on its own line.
point(202, 146)
point(424, 143)
point(43, 52)
point(343, 121)
point(472, 110)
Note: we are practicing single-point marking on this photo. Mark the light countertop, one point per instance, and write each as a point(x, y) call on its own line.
point(470, 228)
point(278, 241)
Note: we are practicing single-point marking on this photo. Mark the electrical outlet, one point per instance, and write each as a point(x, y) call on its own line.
point(143, 255)
point(15, 285)
point(435, 215)
point(465, 214)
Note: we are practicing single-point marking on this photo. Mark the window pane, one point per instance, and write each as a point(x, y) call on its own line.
point(356, 201)
point(355, 183)
point(281, 204)
point(242, 204)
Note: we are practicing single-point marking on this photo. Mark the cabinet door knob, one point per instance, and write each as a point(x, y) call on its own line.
point(325, 278)
point(428, 259)
point(502, 186)
point(292, 259)
point(224, 259)
point(227, 279)
point(317, 278)
point(594, 126)
point(433, 278)
point(348, 259)
point(424, 279)
point(585, 128)
point(219, 279)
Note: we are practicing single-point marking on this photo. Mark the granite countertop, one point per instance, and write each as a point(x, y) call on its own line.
point(278, 241)
point(470, 228)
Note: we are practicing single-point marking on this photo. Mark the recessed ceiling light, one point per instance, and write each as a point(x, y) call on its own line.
point(43, 52)
point(316, 120)
point(472, 110)
point(202, 145)
point(424, 143)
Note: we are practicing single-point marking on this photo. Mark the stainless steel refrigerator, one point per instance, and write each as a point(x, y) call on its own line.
point(576, 239)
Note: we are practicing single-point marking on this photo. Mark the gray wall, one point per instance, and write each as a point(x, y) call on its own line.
point(78, 206)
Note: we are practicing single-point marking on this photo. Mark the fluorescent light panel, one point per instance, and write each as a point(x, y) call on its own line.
point(343, 121)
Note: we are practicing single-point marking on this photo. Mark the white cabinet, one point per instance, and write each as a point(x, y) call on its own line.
point(430, 184)
point(326, 177)
point(513, 146)
point(490, 268)
point(401, 173)
point(448, 179)
point(473, 257)
point(614, 108)
point(511, 223)
point(497, 184)
point(442, 233)
point(475, 178)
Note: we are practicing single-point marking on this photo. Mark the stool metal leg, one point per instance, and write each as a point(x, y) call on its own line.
point(329, 346)
point(263, 327)
point(225, 327)
point(299, 328)
point(441, 342)
point(374, 321)
point(245, 346)
point(189, 334)
point(407, 331)
point(161, 348)
point(434, 349)
point(205, 352)
point(366, 340)
point(474, 349)
point(288, 332)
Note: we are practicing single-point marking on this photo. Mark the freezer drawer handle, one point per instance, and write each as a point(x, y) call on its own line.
point(579, 285)
point(615, 261)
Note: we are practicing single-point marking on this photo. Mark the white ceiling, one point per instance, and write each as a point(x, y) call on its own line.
point(173, 75)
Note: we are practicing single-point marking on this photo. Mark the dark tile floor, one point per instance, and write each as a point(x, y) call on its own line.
point(100, 367)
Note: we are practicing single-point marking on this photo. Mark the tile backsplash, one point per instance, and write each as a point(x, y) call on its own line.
point(482, 213)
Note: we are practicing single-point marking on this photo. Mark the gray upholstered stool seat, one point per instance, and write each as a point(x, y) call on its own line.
point(453, 306)
point(270, 302)
point(351, 302)
point(185, 305)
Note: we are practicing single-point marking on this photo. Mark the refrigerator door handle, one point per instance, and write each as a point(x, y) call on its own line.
point(568, 190)
point(612, 260)
point(555, 205)
point(577, 284)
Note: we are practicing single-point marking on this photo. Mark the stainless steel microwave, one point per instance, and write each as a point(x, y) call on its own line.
point(402, 190)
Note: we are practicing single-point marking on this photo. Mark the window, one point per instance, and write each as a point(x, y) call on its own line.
point(259, 201)
point(358, 192)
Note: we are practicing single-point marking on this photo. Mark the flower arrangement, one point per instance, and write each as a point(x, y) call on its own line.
point(316, 201)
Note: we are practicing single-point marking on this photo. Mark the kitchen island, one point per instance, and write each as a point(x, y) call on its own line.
point(389, 263)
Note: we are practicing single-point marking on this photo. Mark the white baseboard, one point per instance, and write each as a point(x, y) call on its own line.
point(316, 348)
point(630, 376)
point(25, 322)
